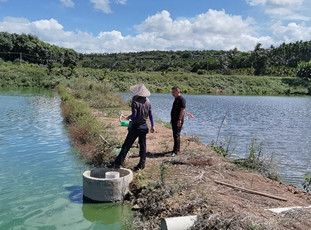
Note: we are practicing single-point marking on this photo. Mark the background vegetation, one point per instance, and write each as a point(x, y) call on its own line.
point(95, 140)
point(34, 75)
point(286, 70)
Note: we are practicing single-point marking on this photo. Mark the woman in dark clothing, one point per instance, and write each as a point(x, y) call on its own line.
point(177, 118)
point(141, 110)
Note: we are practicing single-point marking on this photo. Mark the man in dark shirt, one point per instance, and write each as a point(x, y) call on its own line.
point(177, 118)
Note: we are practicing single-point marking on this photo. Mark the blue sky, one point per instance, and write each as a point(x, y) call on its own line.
point(109, 26)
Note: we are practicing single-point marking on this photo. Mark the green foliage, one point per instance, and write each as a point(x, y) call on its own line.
point(196, 72)
point(201, 72)
point(73, 110)
point(219, 149)
point(260, 162)
point(192, 83)
point(141, 179)
point(29, 48)
point(100, 95)
point(163, 172)
point(304, 70)
point(280, 61)
point(259, 60)
point(307, 183)
point(94, 140)
point(33, 75)
point(26, 75)
point(63, 93)
point(290, 54)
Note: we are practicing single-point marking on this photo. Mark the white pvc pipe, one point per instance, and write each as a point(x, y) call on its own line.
point(279, 210)
point(178, 223)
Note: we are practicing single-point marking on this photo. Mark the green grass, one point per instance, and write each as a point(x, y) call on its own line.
point(105, 81)
point(192, 83)
point(95, 141)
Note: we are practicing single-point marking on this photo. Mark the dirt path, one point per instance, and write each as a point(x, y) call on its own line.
point(201, 178)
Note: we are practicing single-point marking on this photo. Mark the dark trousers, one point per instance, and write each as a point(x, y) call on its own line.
point(129, 141)
point(176, 136)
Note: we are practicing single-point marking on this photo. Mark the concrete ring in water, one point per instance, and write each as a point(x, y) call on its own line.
point(97, 186)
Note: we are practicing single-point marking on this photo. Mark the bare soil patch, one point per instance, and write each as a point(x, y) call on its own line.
point(193, 175)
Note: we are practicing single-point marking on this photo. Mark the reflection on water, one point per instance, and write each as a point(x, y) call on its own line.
point(76, 194)
point(282, 124)
point(107, 214)
point(41, 175)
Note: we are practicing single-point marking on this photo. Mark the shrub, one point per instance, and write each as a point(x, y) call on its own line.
point(94, 141)
point(201, 72)
point(307, 183)
point(260, 162)
point(219, 149)
point(304, 70)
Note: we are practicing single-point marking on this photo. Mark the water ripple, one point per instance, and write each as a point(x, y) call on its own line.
point(38, 165)
point(282, 124)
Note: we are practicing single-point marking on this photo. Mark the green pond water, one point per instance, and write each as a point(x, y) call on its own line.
point(40, 173)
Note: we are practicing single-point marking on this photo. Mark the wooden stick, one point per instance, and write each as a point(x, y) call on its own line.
point(121, 115)
point(104, 139)
point(251, 191)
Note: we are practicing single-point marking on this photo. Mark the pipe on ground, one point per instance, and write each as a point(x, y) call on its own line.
point(178, 223)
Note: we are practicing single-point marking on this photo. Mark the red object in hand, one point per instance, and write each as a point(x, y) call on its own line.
point(190, 115)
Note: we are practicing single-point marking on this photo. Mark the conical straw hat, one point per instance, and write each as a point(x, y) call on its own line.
point(140, 90)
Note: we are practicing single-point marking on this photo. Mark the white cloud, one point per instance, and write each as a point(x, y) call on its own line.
point(68, 3)
point(123, 2)
point(286, 14)
point(291, 32)
point(283, 3)
point(104, 5)
point(211, 30)
point(50, 25)
point(284, 9)
point(15, 25)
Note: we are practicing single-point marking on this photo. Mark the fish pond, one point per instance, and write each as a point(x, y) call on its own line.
point(41, 174)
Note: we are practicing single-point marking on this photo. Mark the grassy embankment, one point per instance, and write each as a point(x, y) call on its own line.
point(31, 75)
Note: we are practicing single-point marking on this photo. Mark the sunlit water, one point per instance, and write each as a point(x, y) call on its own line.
point(40, 174)
point(282, 124)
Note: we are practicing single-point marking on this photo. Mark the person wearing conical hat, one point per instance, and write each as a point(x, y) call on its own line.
point(138, 128)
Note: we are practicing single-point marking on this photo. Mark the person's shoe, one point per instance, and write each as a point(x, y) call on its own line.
point(174, 154)
point(113, 165)
point(138, 167)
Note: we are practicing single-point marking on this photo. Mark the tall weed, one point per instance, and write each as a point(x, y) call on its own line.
point(307, 183)
point(260, 162)
point(85, 131)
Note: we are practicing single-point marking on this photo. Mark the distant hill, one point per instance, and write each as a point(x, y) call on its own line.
point(275, 61)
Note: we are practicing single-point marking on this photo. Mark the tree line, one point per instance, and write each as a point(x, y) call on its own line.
point(27, 47)
point(274, 61)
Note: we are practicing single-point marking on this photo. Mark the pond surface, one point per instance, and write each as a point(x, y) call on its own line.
point(41, 175)
point(281, 124)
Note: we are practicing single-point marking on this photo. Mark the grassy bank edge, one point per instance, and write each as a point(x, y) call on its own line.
point(32, 75)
